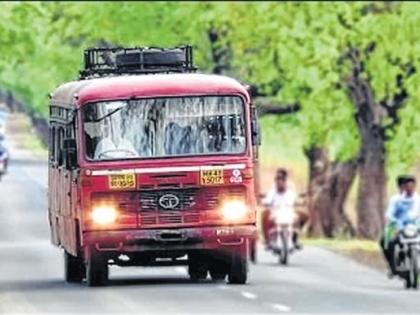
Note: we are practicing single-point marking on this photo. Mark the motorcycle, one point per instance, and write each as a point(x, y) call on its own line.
point(281, 234)
point(406, 254)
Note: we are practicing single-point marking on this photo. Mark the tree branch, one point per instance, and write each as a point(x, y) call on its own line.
point(398, 99)
point(269, 107)
point(220, 55)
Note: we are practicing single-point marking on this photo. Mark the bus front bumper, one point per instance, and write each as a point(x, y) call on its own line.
point(180, 239)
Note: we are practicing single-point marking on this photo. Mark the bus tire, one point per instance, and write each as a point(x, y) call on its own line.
point(218, 268)
point(197, 268)
point(253, 251)
point(238, 273)
point(97, 271)
point(74, 268)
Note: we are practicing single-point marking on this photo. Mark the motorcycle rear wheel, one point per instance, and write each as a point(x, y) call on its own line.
point(413, 272)
point(284, 252)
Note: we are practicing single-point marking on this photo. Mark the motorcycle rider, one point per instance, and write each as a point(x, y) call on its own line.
point(281, 196)
point(401, 206)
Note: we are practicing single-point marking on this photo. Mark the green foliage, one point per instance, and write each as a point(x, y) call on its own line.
point(291, 51)
point(297, 52)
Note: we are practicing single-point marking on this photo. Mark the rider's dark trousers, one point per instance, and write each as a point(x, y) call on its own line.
point(389, 253)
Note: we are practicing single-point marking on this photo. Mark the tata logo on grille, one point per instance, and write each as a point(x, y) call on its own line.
point(168, 201)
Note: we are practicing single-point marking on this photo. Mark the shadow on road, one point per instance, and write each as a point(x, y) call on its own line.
point(158, 281)
point(58, 284)
point(30, 285)
point(280, 266)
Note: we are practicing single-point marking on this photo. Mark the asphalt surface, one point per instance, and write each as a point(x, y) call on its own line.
point(31, 273)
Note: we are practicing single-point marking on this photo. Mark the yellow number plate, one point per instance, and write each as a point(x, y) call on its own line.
point(211, 177)
point(122, 181)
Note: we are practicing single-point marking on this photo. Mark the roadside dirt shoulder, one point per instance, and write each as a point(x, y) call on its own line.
point(22, 140)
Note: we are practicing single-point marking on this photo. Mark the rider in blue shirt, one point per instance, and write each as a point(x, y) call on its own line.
point(403, 208)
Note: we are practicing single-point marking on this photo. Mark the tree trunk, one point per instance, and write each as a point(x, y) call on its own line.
point(371, 193)
point(221, 55)
point(371, 115)
point(318, 166)
point(329, 184)
point(372, 173)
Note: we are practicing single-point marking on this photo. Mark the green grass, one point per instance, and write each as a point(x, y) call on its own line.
point(344, 244)
point(362, 251)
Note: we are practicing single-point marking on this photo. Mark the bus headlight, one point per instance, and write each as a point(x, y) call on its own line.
point(104, 215)
point(234, 210)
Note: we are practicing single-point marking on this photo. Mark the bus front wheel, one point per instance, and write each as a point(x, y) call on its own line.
point(238, 273)
point(97, 271)
point(74, 268)
point(197, 267)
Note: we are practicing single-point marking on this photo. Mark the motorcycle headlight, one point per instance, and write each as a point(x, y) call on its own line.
point(410, 230)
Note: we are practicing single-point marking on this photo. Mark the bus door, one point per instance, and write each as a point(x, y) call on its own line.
point(68, 178)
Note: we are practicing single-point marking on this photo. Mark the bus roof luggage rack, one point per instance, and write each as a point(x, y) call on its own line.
point(101, 62)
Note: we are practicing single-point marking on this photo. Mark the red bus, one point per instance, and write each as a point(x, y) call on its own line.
point(152, 164)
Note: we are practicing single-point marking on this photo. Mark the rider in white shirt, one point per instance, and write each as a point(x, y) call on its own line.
point(282, 200)
point(282, 197)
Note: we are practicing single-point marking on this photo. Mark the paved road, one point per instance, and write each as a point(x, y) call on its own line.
point(31, 274)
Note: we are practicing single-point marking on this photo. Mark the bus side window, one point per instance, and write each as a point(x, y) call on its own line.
point(52, 143)
point(69, 154)
point(59, 146)
point(70, 131)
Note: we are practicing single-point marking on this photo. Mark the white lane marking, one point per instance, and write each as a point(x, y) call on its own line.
point(168, 169)
point(249, 295)
point(281, 307)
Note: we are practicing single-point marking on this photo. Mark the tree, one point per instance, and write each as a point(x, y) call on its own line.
point(290, 51)
point(352, 91)
point(378, 84)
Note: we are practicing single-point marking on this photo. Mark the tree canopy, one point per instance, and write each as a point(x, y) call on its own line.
point(310, 54)
point(294, 52)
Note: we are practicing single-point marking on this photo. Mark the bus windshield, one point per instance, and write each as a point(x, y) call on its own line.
point(164, 127)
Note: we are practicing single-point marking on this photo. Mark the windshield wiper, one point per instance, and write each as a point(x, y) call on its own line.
point(109, 114)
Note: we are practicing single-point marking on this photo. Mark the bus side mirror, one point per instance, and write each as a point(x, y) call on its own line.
point(70, 153)
point(255, 128)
